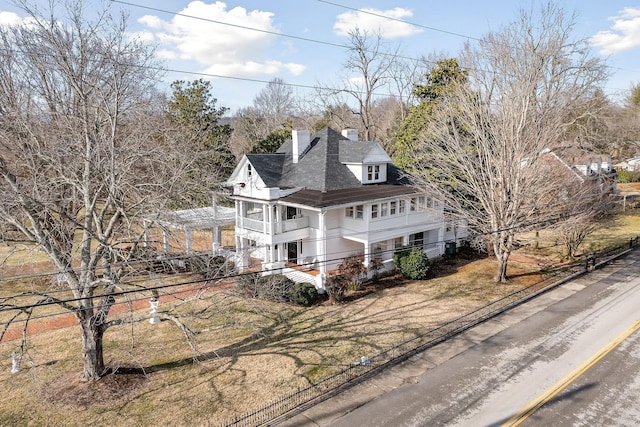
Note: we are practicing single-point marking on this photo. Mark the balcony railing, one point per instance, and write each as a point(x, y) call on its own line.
point(291, 224)
point(252, 224)
point(279, 227)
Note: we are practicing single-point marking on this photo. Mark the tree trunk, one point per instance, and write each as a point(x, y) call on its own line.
point(502, 255)
point(92, 348)
point(501, 274)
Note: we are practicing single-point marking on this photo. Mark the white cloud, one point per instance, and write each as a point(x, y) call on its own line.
point(220, 49)
point(370, 20)
point(250, 68)
point(624, 33)
point(9, 18)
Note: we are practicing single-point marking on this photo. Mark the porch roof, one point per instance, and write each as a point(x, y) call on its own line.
point(322, 199)
point(198, 218)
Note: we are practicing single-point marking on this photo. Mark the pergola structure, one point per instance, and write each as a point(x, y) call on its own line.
point(188, 220)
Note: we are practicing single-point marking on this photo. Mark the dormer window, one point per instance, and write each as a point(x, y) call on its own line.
point(373, 172)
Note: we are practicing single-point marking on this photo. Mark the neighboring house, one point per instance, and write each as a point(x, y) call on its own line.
point(323, 198)
point(630, 165)
point(587, 166)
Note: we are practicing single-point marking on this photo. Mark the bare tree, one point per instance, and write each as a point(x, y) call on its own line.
point(274, 107)
point(487, 138)
point(81, 157)
point(368, 69)
point(276, 103)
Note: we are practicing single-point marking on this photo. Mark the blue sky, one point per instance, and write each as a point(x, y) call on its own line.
point(296, 39)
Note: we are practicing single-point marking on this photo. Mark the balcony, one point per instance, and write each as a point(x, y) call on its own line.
point(291, 224)
point(278, 227)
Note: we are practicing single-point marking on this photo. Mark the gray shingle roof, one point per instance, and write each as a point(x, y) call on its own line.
point(268, 167)
point(320, 168)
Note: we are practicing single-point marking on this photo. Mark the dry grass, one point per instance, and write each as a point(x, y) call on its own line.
point(629, 187)
point(249, 351)
point(612, 232)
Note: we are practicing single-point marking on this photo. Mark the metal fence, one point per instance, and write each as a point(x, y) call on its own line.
point(312, 394)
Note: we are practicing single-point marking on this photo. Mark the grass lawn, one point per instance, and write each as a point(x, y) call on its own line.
point(249, 352)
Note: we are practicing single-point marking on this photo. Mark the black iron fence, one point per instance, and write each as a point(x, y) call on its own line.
point(312, 394)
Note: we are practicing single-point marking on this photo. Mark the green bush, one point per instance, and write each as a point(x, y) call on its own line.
point(412, 263)
point(628, 176)
point(304, 294)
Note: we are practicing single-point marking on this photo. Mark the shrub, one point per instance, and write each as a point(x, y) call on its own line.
point(247, 282)
point(274, 287)
point(210, 267)
point(412, 263)
point(336, 285)
point(304, 294)
point(625, 176)
point(375, 265)
point(354, 271)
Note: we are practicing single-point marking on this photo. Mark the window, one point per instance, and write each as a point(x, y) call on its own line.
point(374, 211)
point(416, 239)
point(421, 202)
point(413, 204)
point(253, 211)
point(249, 170)
point(348, 212)
point(383, 209)
point(400, 206)
point(373, 172)
point(393, 207)
point(397, 242)
point(360, 211)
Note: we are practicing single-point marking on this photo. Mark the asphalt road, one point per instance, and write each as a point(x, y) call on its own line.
point(568, 358)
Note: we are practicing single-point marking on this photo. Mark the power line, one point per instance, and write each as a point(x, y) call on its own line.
point(230, 276)
point(390, 18)
point(324, 42)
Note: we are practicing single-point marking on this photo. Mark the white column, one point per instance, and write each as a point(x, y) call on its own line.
point(367, 254)
point(165, 240)
point(216, 239)
point(265, 219)
point(187, 236)
point(322, 245)
point(145, 233)
point(240, 252)
point(270, 219)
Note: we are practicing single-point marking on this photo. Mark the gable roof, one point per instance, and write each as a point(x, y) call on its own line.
point(268, 167)
point(576, 155)
point(321, 166)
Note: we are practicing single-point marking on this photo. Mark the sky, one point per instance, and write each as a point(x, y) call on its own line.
point(240, 45)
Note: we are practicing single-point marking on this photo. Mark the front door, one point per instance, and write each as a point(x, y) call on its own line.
point(292, 252)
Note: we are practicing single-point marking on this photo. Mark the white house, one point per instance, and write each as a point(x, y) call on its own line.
point(587, 166)
point(631, 165)
point(325, 197)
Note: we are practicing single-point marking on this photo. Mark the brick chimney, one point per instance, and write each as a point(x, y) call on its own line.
point(351, 134)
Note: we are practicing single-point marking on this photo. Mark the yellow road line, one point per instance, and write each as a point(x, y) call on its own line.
point(569, 378)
